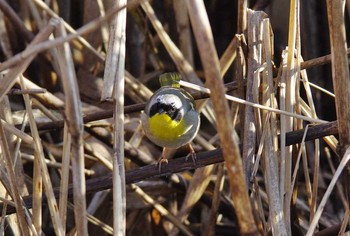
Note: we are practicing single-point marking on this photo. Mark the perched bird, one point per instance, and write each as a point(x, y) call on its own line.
point(170, 119)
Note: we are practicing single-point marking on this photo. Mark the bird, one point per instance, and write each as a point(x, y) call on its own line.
point(170, 119)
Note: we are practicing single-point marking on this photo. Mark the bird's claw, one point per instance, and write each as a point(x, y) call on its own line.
point(192, 154)
point(160, 161)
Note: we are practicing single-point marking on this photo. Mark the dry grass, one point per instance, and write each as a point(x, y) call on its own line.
point(74, 159)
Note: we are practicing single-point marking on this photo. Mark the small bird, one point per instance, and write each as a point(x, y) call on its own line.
point(170, 119)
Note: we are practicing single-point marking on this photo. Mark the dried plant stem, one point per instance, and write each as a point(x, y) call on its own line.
point(11, 76)
point(340, 74)
point(325, 197)
point(76, 128)
point(270, 147)
point(184, 30)
point(255, 105)
point(290, 104)
point(250, 130)
point(83, 41)
point(12, 179)
point(37, 193)
point(198, 185)
point(242, 16)
point(67, 142)
point(20, 134)
point(114, 88)
point(43, 169)
point(47, 98)
point(15, 20)
point(210, 61)
point(88, 28)
point(115, 60)
point(216, 200)
point(181, 63)
point(163, 211)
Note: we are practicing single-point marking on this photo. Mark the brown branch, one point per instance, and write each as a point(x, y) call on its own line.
point(314, 132)
point(146, 172)
point(180, 165)
point(318, 61)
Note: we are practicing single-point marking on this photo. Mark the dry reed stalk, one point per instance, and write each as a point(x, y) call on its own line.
point(210, 61)
point(198, 184)
point(75, 126)
point(135, 89)
point(162, 210)
point(5, 41)
point(105, 161)
point(196, 188)
point(344, 161)
point(296, 168)
point(270, 148)
point(18, 163)
point(345, 222)
point(67, 143)
point(87, 28)
point(20, 134)
point(37, 192)
point(13, 185)
point(83, 41)
point(11, 76)
point(104, 26)
point(45, 111)
point(259, 152)
point(242, 17)
point(258, 207)
point(113, 87)
point(47, 98)
point(240, 74)
point(249, 137)
point(184, 67)
point(35, 13)
point(340, 75)
point(184, 30)
point(317, 143)
point(289, 103)
point(115, 59)
point(255, 105)
point(212, 219)
point(316, 157)
point(339, 185)
point(16, 21)
point(41, 175)
point(229, 54)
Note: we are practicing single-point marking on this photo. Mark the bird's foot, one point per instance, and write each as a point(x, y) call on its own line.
point(192, 154)
point(160, 162)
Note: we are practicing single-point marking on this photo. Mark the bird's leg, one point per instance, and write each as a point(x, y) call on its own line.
point(161, 160)
point(192, 154)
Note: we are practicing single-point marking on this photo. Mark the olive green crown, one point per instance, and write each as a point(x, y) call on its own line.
point(170, 79)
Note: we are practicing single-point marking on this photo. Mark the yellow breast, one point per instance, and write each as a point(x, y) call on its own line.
point(166, 129)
